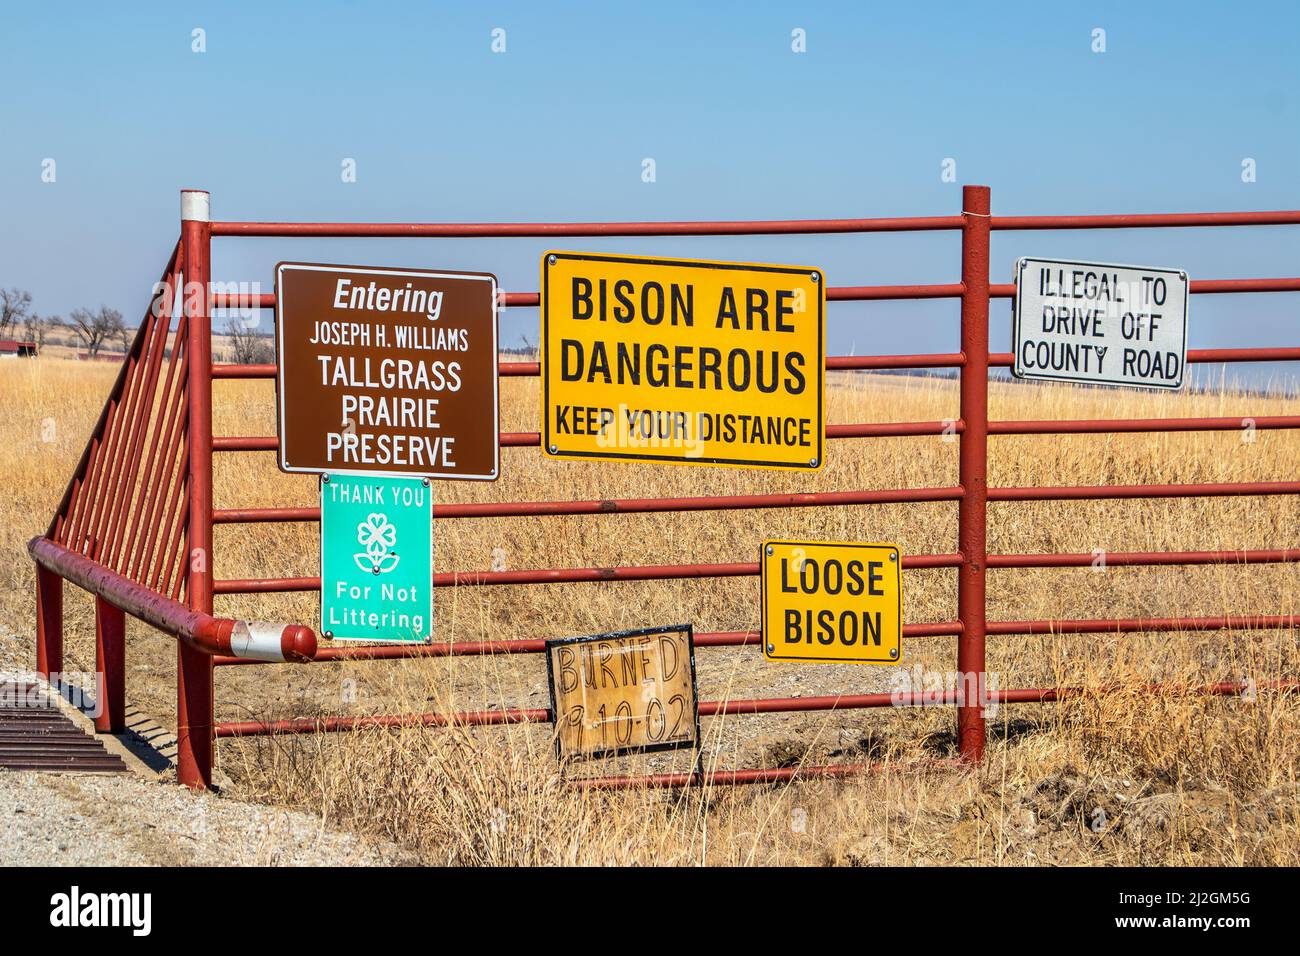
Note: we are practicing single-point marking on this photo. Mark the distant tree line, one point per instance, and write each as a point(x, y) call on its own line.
point(95, 329)
point(103, 328)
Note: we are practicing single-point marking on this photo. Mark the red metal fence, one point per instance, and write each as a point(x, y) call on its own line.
point(135, 524)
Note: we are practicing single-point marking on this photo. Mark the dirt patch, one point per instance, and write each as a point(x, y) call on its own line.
point(85, 819)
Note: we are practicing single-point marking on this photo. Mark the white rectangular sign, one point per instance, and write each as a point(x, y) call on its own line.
point(1099, 324)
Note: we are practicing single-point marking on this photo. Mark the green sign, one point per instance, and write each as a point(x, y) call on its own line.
point(376, 558)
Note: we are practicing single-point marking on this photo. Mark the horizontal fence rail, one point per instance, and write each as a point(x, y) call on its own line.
point(137, 539)
point(775, 227)
point(863, 362)
point(720, 708)
point(859, 293)
point(376, 652)
point(517, 509)
point(663, 572)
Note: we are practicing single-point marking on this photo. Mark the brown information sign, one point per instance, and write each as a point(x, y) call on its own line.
point(386, 371)
point(631, 691)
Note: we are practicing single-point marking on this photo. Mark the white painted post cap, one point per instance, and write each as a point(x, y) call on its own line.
point(196, 205)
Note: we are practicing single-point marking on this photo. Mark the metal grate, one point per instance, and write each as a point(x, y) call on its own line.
point(40, 737)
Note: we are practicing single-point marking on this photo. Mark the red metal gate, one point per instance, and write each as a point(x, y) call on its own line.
point(135, 524)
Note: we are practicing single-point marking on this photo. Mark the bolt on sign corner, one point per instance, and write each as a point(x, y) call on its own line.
point(831, 602)
point(682, 360)
point(386, 371)
point(1099, 324)
point(625, 692)
point(376, 558)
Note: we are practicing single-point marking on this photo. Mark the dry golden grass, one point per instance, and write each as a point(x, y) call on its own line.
point(1122, 778)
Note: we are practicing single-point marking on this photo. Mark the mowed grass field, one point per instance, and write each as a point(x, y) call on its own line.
point(1123, 778)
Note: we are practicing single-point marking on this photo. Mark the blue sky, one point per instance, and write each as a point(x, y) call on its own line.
point(739, 126)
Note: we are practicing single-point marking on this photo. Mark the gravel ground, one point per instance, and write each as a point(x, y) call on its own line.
point(119, 820)
point(16, 650)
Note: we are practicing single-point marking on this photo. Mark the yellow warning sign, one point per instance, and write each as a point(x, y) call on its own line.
point(682, 360)
point(832, 602)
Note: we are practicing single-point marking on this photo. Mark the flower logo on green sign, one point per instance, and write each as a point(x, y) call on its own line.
point(378, 536)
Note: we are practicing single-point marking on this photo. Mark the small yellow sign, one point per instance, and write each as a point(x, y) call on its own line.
point(832, 601)
point(683, 361)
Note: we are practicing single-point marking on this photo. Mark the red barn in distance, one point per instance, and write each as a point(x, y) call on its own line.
point(11, 348)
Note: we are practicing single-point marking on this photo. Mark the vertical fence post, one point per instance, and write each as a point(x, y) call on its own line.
point(194, 668)
point(971, 513)
point(49, 622)
point(110, 663)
